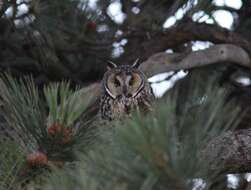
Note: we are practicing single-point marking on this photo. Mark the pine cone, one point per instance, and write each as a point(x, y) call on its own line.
point(37, 159)
point(57, 130)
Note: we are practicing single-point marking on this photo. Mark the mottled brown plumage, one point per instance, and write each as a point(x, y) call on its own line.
point(125, 88)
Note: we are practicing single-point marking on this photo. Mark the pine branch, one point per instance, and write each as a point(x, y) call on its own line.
point(160, 151)
point(48, 131)
point(12, 159)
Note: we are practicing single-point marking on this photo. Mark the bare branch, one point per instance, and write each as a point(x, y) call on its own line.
point(91, 91)
point(183, 32)
point(165, 62)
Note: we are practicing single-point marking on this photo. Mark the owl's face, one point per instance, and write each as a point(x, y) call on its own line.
point(123, 81)
point(125, 88)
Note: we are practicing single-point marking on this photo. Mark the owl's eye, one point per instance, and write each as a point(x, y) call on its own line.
point(116, 82)
point(131, 82)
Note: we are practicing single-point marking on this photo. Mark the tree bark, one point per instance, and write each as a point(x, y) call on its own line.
point(165, 62)
point(230, 151)
point(183, 32)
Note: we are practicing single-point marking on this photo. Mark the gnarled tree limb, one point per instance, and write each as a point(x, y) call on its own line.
point(183, 32)
point(230, 151)
point(164, 62)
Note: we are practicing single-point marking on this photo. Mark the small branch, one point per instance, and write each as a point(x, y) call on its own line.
point(91, 91)
point(3, 7)
point(173, 9)
point(165, 62)
point(185, 31)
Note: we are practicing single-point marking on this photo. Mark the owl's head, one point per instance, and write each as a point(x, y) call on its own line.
point(124, 81)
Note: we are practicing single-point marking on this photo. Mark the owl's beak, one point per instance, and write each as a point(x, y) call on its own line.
point(124, 90)
point(125, 93)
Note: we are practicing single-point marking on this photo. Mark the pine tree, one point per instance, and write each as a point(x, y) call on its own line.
point(53, 55)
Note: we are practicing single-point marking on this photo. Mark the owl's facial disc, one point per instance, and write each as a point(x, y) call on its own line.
point(124, 84)
point(114, 85)
point(135, 83)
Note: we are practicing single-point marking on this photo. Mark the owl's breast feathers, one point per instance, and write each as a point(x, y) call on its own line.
point(119, 107)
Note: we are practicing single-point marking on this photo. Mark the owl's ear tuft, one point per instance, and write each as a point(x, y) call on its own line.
point(136, 63)
point(111, 65)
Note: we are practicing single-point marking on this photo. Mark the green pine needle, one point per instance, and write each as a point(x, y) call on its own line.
point(161, 151)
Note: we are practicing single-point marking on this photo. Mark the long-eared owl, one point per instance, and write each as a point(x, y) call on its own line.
point(125, 88)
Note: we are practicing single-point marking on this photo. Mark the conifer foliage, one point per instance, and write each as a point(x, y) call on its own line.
point(162, 151)
point(43, 128)
point(53, 54)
